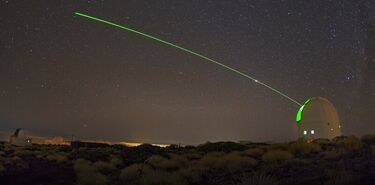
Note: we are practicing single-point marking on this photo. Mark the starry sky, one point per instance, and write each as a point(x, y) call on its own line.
point(61, 74)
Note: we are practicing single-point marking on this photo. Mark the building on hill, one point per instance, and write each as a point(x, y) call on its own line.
point(19, 138)
point(318, 118)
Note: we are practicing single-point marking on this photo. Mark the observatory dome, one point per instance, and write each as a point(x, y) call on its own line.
point(318, 118)
point(19, 138)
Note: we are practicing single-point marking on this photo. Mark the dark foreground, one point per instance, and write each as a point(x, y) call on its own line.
point(344, 160)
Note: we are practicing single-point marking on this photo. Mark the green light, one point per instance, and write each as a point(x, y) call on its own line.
point(300, 110)
point(188, 51)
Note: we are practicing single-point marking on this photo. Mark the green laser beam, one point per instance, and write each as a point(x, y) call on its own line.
point(188, 51)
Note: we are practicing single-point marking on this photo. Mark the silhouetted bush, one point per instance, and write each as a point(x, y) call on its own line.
point(115, 161)
point(133, 173)
point(349, 144)
point(257, 179)
point(156, 177)
point(235, 162)
point(57, 157)
point(254, 152)
point(19, 163)
point(322, 141)
point(368, 139)
point(221, 147)
point(276, 156)
point(2, 168)
point(341, 178)
point(87, 174)
point(104, 167)
point(303, 148)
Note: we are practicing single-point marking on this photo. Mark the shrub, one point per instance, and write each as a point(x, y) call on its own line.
point(279, 146)
point(87, 174)
point(341, 178)
point(235, 162)
point(192, 156)
point(115, 161)
point(162, 163)
point(57, 157)
point(19, 163)
point(212, 160)
point(303, 148)
point(257, 179)
point(194, 173)
point(368, 139)
point(104, 167)
point(157, 177)
point(222, 147)
point(254, 152)
point(2, 168)
point(232, 161)
point(277, 156)
point(23, 152)
point(350, 144)
point(134, 172)
point(322, 141)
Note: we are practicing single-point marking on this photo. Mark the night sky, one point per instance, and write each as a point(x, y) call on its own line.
point(61, 74)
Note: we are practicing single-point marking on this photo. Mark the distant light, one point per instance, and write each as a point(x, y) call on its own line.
point(312, 132)
point(331, 129)
point(339, 126)
point(256, 81)
point(305, 132)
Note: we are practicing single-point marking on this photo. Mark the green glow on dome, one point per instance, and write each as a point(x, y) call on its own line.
point(188, 51)
point(300, 110)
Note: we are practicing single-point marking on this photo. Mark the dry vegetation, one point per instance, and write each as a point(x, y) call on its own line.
point(344, 160)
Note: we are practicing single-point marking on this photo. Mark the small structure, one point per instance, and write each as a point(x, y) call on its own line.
point(19, 138)
point(318, 118)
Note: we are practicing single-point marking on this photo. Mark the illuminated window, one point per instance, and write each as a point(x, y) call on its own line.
point(304, 132)
point(312, 132)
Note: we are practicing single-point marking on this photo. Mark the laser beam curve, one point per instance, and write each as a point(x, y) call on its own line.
point(188, 51)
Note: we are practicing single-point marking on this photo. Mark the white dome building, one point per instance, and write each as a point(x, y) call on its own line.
point(19, 138)
point(318, 118)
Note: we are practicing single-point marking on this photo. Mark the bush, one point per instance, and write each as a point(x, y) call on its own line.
point(331, 154)
point(192, 156)
point(349, 144)
point(212, 160)
point(23, 152)
point(221, 147)
point(19, 163)
point(254, 152)
point(57, 157)
point(87, 174)
point(2, 168)
point(194, 173)
point(115, 161)
point(134, 172)
point(157, 177)
point(232, 161)
point(277, 156)
point(257, 179)
point(104, 167)
point(162, 163)
point(341, 178)
point(322, 141)
point(368, 139)
point(303, 148)
point(235, 162)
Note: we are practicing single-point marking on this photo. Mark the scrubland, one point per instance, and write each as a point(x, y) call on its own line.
point(343, 160)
